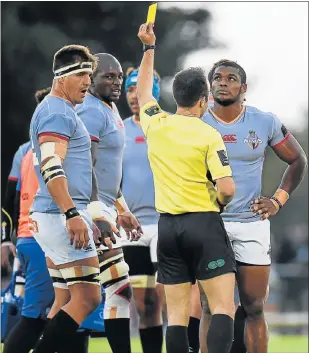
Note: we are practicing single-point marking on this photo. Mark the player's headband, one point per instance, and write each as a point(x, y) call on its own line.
point(73, 69)
point(131, 80)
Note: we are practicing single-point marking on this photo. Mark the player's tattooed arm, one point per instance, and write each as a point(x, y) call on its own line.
point(292, 153)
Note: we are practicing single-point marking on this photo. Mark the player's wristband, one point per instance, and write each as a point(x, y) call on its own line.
point(277, 203)
point(71, 213)
point(282, 196)
point(147, 47)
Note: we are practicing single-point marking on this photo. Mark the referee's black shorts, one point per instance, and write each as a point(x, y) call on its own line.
point(193, 246)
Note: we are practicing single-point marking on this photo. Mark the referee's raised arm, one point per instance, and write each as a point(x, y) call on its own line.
point(145, 74)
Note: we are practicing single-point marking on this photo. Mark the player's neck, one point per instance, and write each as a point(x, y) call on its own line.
point(136, 119)
point(228, 114)
point(58, 93)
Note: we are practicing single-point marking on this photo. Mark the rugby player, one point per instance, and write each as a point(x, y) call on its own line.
point(106, 129)
point(247, 132)
point(187, 156)
point(138, 190)
point(59, 219)
point(39, 292)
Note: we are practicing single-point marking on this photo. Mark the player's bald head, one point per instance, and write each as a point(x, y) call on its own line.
point(107, 63)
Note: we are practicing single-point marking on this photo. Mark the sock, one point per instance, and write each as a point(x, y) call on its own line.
point(177, 339)
point(61, 328)
point(220, 334)
point(193, 335)
point(24, 335)
point(79, 344)
point(238, 345)
point(118, 335)
point(151, 339)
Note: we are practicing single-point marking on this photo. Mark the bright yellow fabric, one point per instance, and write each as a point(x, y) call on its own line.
point(181, 151)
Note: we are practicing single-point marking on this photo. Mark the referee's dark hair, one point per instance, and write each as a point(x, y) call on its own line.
point(227, 63)
point(189, 86)
point(41, 94)
point(70, 54)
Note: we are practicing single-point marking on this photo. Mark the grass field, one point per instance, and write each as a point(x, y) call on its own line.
point(280, 344)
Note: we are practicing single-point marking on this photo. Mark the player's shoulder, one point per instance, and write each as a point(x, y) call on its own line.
point(206, 128)
point(90, 103)
point(128, 121)
point(24, 148)
point(255, 113)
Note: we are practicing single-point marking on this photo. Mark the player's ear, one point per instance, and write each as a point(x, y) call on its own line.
point(243, 88)
point(203, 102)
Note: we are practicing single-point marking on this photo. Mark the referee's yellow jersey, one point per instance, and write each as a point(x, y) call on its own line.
point(185, 155)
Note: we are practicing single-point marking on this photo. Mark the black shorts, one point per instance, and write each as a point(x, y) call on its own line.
point(193, 246)
point(139, 260)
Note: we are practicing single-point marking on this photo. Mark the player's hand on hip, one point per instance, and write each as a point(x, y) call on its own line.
point(131, 225)
point(146, 34)
point(78, 232)
point(264, 207)
point(107, 232)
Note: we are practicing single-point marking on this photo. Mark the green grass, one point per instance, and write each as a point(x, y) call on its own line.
point(279, 344)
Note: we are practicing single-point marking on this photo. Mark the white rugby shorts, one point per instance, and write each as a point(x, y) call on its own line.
point(250, 241)
point(49, 230)
point(149, 239)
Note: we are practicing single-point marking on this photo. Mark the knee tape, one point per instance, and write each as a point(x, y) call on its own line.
point(143, 281)
point(118, 297)
point(65, 277)
point(113, 270)
point(118, 292)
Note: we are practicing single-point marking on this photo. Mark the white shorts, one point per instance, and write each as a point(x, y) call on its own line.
point(112, 217)
point(51, 234)
point(250, 241)
point(149, 239)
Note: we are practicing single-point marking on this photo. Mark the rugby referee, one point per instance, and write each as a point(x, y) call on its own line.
point(193, 183)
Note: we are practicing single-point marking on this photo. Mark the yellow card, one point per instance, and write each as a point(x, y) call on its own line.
point(152, 10)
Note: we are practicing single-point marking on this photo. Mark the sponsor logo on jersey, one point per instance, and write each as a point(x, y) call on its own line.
point(253, 140)
point(140, 139)
point(231, 138)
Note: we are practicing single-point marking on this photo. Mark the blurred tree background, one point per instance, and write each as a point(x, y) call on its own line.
point(33, 31)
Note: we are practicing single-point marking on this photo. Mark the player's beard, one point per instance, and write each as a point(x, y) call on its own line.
point(228, 102)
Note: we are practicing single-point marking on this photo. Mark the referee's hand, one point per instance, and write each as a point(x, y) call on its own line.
point(146, 34)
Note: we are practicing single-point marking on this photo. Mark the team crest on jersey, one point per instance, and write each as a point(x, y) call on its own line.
point(253, 140)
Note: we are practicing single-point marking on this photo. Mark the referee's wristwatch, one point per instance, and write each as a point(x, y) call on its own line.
point(147, 47)
point(221, 206)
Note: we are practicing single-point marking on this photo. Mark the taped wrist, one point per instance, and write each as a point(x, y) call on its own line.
point(280, 198)
point(98, 209)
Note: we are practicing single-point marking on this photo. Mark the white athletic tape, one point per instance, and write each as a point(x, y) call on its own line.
point(98, 209)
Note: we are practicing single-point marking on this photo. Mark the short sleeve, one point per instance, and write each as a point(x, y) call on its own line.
point(278, 132)
point(150, 113)
point(15, 170)
point(217, 158)
point(59, 125)
point(95, 122)
point(18, 185)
